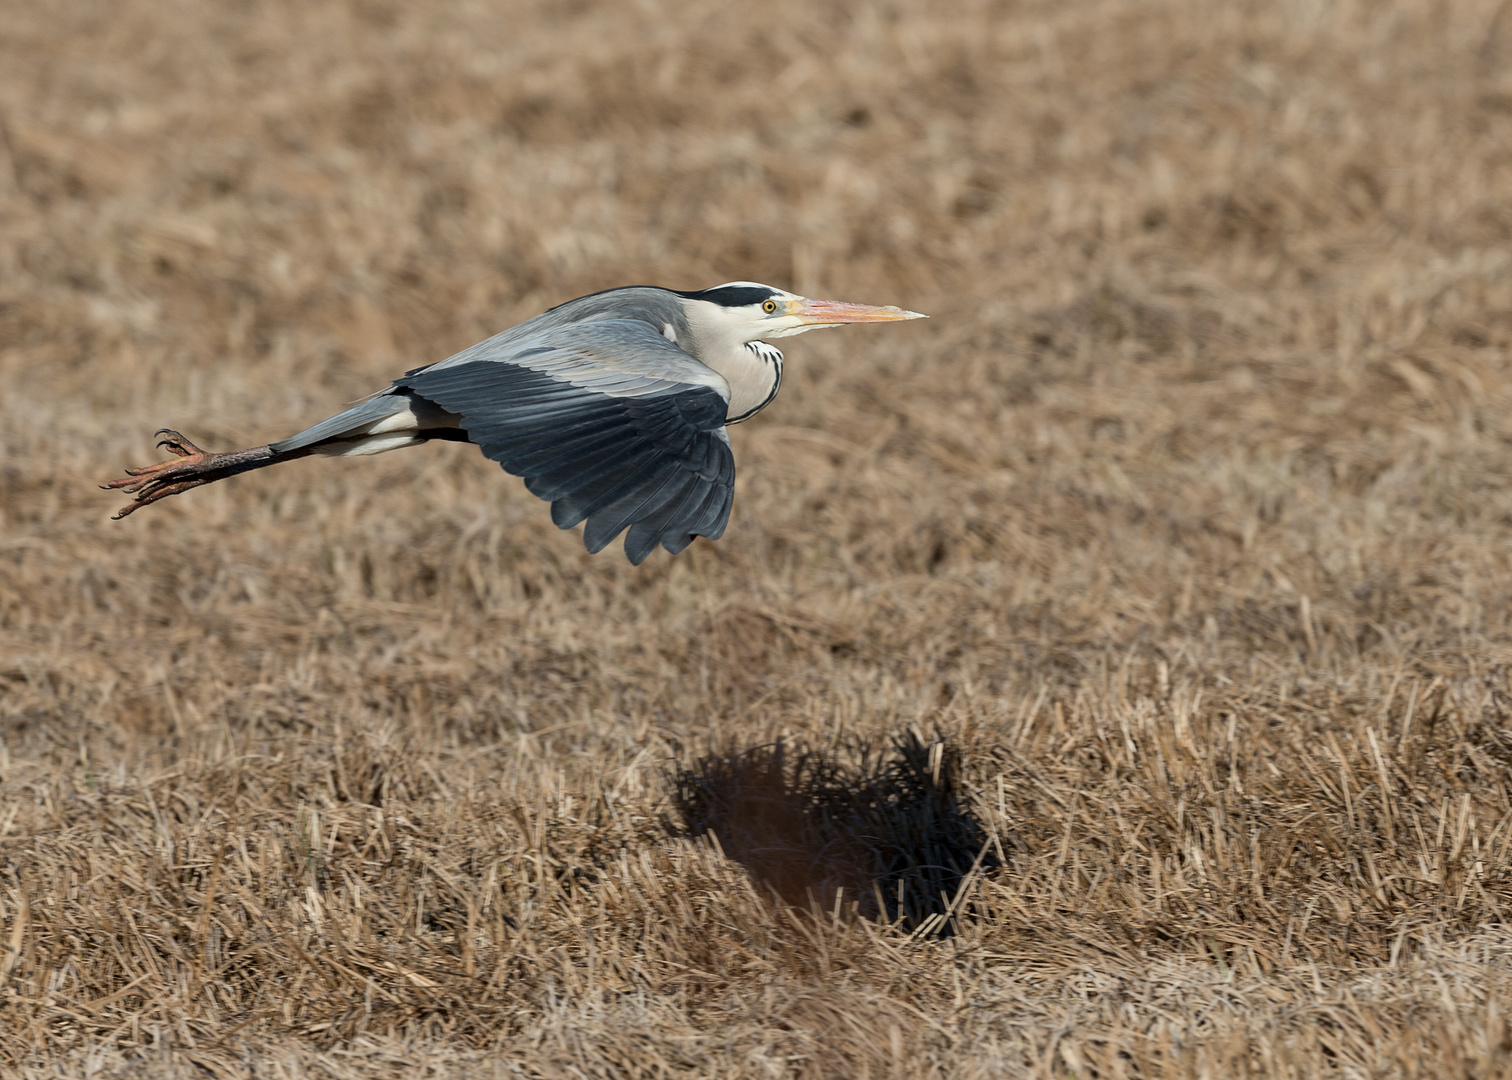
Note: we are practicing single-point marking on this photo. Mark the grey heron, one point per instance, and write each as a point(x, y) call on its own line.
point(612, 407)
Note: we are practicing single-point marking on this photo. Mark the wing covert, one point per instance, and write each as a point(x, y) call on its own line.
point(609, 422)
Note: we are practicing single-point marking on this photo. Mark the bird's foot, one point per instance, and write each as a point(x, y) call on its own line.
point(190, 467)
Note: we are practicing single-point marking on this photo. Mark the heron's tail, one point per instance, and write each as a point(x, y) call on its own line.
point(385, 422)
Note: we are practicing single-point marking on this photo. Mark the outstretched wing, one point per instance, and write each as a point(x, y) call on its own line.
point(608, 421)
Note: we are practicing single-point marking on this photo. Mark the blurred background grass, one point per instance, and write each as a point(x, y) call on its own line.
point(1184, 521)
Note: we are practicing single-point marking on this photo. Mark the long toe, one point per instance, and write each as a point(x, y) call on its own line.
point(188, 461)
point(152, 492)
point(145, 474)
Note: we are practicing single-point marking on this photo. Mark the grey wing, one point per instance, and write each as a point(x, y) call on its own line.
point(609, 422)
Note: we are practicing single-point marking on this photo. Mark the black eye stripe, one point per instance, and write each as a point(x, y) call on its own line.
point(732, 295)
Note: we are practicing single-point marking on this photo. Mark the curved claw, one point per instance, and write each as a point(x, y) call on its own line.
point(175, 443)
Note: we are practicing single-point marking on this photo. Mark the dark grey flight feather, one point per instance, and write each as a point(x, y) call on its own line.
point(608, 420)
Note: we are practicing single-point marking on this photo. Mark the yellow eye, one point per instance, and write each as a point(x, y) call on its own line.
point(769, 307)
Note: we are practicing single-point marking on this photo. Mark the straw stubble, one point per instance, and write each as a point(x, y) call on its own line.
point(1182, 523)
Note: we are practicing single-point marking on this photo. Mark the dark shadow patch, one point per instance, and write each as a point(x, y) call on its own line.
point(891, 831)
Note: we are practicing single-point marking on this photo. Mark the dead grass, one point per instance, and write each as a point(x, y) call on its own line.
point(1184, 523)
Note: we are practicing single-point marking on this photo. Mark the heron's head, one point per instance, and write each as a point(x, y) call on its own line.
point(748, 311)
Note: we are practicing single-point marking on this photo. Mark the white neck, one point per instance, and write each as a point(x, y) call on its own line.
point(760, 379)
point(752, 368)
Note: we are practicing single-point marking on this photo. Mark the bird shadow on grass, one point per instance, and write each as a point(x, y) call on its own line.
point(889, 831)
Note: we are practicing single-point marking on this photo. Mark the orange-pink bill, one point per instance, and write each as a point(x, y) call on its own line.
point(835, 312)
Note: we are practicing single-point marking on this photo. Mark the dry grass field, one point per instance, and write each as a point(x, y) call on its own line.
point(1110, 677)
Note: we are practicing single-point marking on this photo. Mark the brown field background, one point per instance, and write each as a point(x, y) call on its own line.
point(1184, 523)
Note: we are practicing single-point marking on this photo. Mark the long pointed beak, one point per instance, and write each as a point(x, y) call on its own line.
point(834, 313)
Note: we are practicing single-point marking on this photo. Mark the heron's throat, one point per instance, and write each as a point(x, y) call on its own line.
point(754, 372)
point(721, 339)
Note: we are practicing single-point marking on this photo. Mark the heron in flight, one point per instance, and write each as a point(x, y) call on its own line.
point(612, 407)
